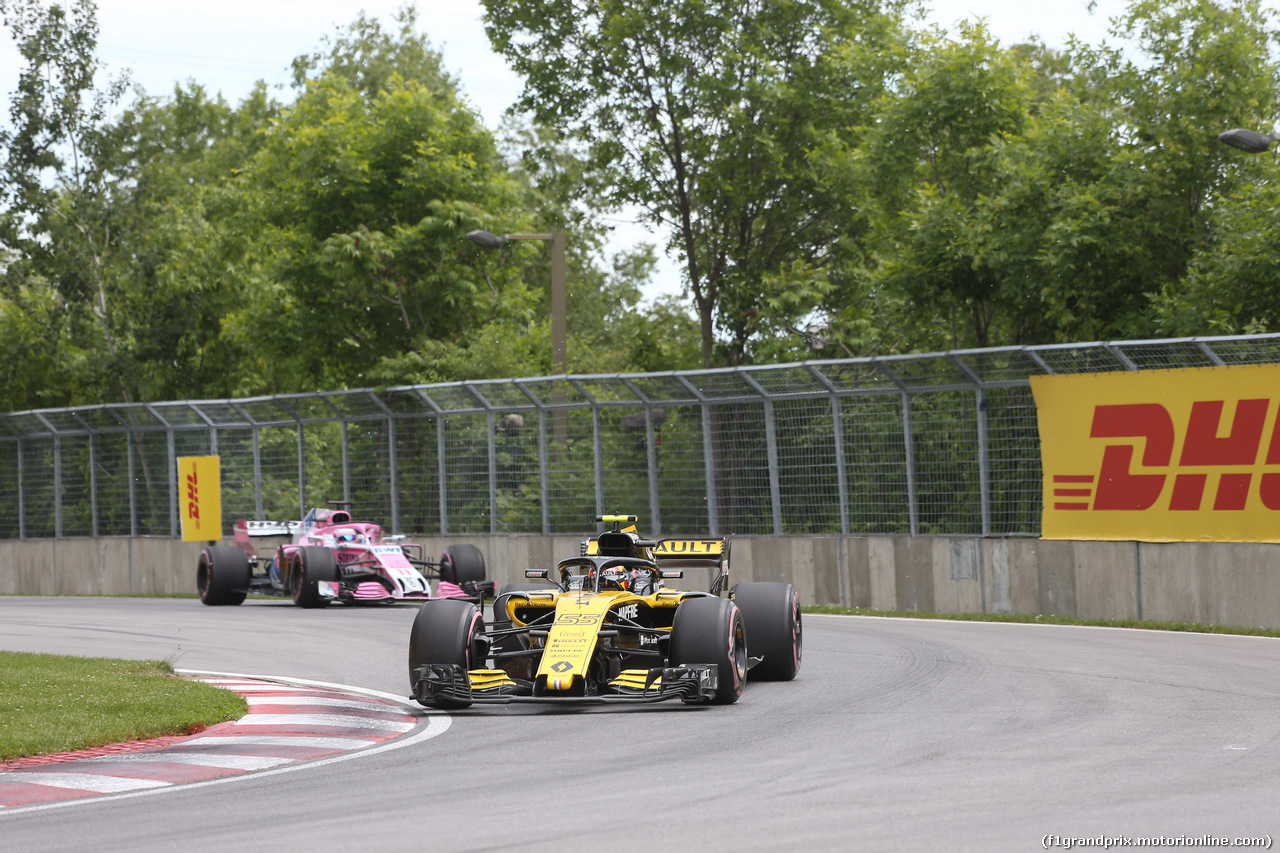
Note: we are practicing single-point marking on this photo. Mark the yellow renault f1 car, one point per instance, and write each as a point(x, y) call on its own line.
point(606, 629)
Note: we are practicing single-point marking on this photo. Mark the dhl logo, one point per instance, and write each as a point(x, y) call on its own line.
point(1161, 455)
point(1204, 448)
point(193, 495)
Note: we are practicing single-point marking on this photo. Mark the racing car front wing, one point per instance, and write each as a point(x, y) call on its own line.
point(450, 684)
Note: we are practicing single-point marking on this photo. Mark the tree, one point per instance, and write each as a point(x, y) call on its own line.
point(360, 205)
point(182, 251)
point(1020, 196)
point(929, 164)
point(58, 186)
point(703, 115)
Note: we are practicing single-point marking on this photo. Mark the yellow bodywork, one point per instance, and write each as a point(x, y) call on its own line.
point(573, 635)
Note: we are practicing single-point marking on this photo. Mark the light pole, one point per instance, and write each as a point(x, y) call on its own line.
point(1247, 140)
point(559, 309)
point(559, 320)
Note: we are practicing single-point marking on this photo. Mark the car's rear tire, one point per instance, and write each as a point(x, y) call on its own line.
point(307, 567)
point(223, 575)
point(446, 631)
point(772, 614)
point(461, 563)
point(711, 630)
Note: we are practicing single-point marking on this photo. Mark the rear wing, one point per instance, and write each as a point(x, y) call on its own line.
point(693, 550)
point(672, 550)
point(246, 530)
point(683, 551)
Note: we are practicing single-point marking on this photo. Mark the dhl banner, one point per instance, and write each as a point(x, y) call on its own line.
point(1161, 455)
point(199, 498)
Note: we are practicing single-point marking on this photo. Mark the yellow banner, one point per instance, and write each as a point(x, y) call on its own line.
point(1161, 455)
point(200, 498)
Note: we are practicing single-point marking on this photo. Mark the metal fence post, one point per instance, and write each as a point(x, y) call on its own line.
point(842, 476)
point(257, 474)
point(709, 469)
point(93, 488)
point(442, 474)
point(708, 454)
point(908, 441)
point(346, 465)
point(771, 452)
point(302, 474)
point(133, 486)
point(393, 465)
point(597, 446)
point(771, 449)
point(544, 472)
point(492, 445)
point(22, 497)
point(442, 486)
point(173, 481)
point(57, 487)
point(984, 473)
point(651, 462)
point(908, 445)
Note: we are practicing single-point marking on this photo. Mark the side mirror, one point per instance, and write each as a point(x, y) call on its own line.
point(537, 574)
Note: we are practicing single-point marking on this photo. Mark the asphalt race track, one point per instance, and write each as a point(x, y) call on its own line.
point(897, 735)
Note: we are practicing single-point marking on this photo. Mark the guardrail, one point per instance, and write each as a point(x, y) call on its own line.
point(922, 444)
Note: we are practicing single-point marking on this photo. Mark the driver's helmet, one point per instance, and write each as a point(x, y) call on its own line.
point(344, 536)
point(616, 578)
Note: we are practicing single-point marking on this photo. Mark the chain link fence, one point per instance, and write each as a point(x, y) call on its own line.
point(939, 443)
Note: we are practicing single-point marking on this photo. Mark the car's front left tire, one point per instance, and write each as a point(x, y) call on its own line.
point(710, 630)
point(446, 631)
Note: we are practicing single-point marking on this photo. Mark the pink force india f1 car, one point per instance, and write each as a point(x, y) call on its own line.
point(329, 557)
point(603, 627)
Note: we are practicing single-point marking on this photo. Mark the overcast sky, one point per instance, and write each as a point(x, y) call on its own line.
point(227, 45)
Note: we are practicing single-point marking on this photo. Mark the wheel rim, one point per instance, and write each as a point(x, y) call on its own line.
point(202, 578)
point(797, 637)
point(738, 658)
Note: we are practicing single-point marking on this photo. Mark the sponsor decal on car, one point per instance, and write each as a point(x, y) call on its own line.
point(691, 547)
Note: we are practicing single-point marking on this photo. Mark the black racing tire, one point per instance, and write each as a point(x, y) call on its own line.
point(710, 630)
point(446, 631)
point(307, 566)
point(223, 575)
point(774, 630)
point(461, 563)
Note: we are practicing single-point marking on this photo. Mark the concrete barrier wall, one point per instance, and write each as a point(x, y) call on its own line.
point(101, 566)
point(1216, 583)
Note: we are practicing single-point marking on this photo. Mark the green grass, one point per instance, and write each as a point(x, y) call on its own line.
point(53, 703)
point(1194, 627)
